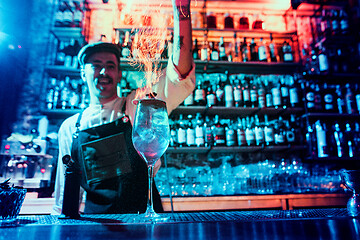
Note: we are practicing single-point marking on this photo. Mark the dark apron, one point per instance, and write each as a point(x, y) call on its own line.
point(114, 176)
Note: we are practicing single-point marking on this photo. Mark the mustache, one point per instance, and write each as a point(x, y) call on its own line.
point(102, 78)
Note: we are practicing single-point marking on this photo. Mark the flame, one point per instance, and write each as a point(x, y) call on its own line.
point(147, 46)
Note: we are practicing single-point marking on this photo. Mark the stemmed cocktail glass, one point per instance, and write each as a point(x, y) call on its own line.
point(151, 136)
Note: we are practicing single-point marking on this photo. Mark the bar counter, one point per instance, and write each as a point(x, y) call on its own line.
point(329, 223)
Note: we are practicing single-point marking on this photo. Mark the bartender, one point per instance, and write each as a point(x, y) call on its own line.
point(113, 174)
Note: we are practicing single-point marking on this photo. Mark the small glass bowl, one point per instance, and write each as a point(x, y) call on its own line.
point(11, 200)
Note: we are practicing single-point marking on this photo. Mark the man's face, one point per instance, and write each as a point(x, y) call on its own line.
point(102, 74)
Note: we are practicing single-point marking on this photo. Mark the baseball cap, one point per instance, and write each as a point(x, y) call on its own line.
point(91, 48)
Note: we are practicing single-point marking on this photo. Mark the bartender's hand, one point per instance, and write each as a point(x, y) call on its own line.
point(182, 48)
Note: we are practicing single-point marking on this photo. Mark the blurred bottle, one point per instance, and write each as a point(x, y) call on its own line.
point(210, 95)
point(253, 94)
point(287, 51)
point(196, 50)
point(126, 48)
point(240, 132)
point(214, 52)
point(238, 95)
point(205, 49)
point(294, 93)
point(272, 50)
point(249, 131)
point(190, 132)
point(219, 132)
point(262, 51)
point(309, 96)
point(208, 131)
point(253, 51)
point(268, 132)
point(246, 93)
point(245, 51)
point(230, 133)
point(222, 50)
point(261, 94)
point(199, 94)
point(340, 100)
point(181, 132)
point(50, 95)
point(78, 14)
point(258, 22)
point(285, 96)
point(259, 132)
point(349, 139)
point(199, 131)
point(228, 91)
point(220, 92)
point(276, 93)
point(311, 141)
point(328, 99)
point(350, 100)
point(321, 139)
point(317, 98)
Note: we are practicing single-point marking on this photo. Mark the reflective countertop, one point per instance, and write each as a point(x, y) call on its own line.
point(334, 223)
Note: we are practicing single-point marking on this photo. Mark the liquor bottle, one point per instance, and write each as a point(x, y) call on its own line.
point(285, 96)
point(323, 60)
point(220, 93)
point(210, 96)
point(199, 94)
point(173, 133)
point(314, 63)
point(340, 100)
point(214, 53)
point(325, 25)
point(205, 49)
point(240, 132)
point(311, 140)
point(196, 50)
point(237, 50)
point(272, 50)
point(228, 21)
point(208, 131)
point(296, 129)
point(126, 48)
point(268, 94)
point(190, 132)
point(253, 51)
point(219, 132)
point(222, 50)
point(287, 51)
point(230, 134)
point(344, 22)
point(259, 132)
point(253, 94)
point(135, 47)
point(262, 51)
point(261, 95)
point(228, 92)
point(60, 54)
point(335, 22)
point(309, 96)
point(290, 133)
point(249, 132)
point(276, 94)
point(357, 97)
point(328, 99)
point(246, 93)
point(189, 100)
point(199, 131)
point(170, 45)
point(238, 95)
point(349, 139)
point(268, 132)
point(244, 51)
point(317, 98)
point(181, 132)
point(294, 93)
point(279, 132)
point(321, 139)
point(357, 139)
point(50, 94)
point(350, 100)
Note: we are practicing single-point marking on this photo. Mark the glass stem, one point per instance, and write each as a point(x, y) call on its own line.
point(150, 206)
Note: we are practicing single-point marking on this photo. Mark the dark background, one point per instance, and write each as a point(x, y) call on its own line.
point(14, 29)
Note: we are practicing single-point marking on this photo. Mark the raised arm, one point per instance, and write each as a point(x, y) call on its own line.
point(182, 48)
